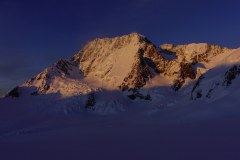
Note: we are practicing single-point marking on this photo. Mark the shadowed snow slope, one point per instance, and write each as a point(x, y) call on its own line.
point(124, 98)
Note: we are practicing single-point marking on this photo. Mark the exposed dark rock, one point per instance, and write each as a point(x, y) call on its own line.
point(187, 71)
point(64, 66)
point(196, 85)
point(148, 97)
point(46, 87)
point(209, 93)
point(200, 58)
point(136, 94)
point(177, 84)
point(41, 76)
point(132, 96)
point(14, 93)
point(34, 93)
point(199, 94)
point(90, 102)
point(231, 75)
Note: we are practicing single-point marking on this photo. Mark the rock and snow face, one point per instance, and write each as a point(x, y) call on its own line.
point(194, 52)
point(124, 62)
point(188, 60)
point(219, 79)
point(63, 77)
point(105, 68)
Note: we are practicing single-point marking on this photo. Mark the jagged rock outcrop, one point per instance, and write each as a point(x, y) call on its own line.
point(186, 71)
point(231, 74)
point(90, 101)
point(14, 92)
point(136, 94)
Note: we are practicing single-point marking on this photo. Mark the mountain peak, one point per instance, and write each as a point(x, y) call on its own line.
point(132, 36)
point(112, 60)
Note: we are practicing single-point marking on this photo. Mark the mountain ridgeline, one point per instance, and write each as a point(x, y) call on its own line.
point(134, 67)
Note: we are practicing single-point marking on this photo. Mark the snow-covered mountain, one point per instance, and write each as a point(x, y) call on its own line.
point(169, 100)
point(108, 74)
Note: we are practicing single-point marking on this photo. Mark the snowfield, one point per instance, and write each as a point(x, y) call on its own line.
point(199, 131)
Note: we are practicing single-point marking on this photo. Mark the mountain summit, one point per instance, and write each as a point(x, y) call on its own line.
point(121, 70)
point(124, 62)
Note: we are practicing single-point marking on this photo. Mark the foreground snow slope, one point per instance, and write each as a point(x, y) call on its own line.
point(200, 131)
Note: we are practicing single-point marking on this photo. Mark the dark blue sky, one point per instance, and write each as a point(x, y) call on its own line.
point(35, 34)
